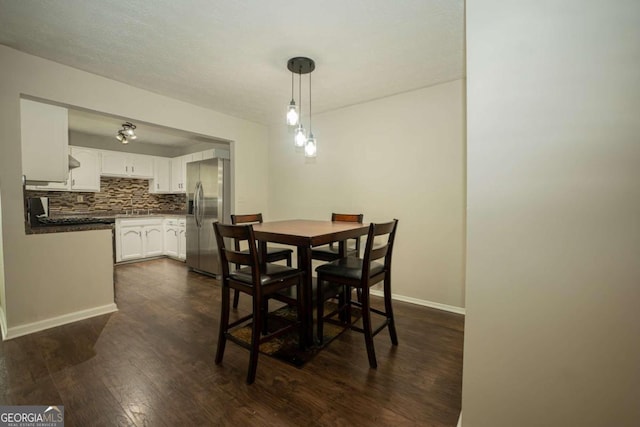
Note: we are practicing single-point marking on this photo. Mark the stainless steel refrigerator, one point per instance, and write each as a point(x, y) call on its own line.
point(208, 201)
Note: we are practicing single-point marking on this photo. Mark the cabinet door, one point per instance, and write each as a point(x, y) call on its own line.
point(208, 154)
point(182, 242)
point(171, 241)
point(55, 186)
point(130, 243)
point(114, 164)
point(86, 177)
point(177, 177)
point(161, 182)
point(153, 240)
point(44, 141)
point(140, 166)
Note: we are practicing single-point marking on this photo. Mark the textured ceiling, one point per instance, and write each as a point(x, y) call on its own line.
point(231, 56)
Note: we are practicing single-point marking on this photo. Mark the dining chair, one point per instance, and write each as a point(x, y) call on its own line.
point(362, 273)
point(331, 252)
point(273, 254)
point(256, 279)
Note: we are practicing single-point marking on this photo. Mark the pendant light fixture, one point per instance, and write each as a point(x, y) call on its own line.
point(310, 144)
point(292, 111)
point(302, 65)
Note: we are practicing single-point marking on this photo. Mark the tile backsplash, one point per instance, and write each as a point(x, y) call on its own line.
point(116, 194)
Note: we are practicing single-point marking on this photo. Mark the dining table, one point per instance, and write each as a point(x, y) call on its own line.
point(304, 235)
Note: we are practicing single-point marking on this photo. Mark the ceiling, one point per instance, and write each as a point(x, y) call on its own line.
point(230, 56)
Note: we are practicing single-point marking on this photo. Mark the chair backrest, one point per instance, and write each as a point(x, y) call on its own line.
point(245, 219)
point(374, 249)
point(237, 233)
point(349, 218)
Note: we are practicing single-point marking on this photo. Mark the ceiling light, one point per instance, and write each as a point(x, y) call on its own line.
point(126, 133)
point(302, 65)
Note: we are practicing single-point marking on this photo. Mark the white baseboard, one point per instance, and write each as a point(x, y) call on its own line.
point(460, 420)
point(29, 328)
point(425, 303)
point(3, 323)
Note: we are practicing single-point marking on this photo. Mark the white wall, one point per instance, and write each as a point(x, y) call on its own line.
point(398, 157)
point(553, 270)
point(55, 274)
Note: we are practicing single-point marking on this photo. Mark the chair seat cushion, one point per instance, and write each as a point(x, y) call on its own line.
point(349, 267)
point(271, 250)
point(328, 249)
point(271, 273)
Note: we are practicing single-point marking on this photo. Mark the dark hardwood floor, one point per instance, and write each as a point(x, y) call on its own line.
point(151, 364)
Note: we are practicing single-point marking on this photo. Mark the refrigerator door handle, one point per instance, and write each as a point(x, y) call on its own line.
point(201, 205)
point(196, 202)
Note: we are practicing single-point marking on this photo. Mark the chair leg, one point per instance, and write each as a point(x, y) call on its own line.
point(347, 302)
point(236, 298)
point(224, 324)
point(389, 310)
point(265, 313)
point(320, 311)
point(255, 340)
point(366, 325)
point(300, 310)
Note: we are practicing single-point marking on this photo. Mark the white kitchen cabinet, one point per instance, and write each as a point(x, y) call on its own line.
point(182, 239)
point(171, 238)
point(141, 166)
point(84, 178)
point(153, 241)
point(126, 165)
point(138, 238)
point(208, 154)
point(175, 243)
point(179, 173)
point(44, 141)
point(161, 182)
point(129, 243)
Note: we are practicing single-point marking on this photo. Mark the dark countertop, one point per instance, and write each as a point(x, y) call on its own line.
point(63, 228)
point(44, 229)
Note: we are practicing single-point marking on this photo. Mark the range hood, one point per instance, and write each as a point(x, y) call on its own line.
point(73, 163)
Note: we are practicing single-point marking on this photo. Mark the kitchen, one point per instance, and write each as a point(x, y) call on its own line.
point(141, 193)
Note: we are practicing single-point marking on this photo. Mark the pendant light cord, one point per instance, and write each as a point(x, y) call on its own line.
point(300, 92)
point(310, 102)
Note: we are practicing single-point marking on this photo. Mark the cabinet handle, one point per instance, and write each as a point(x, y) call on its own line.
point(133, 169)
point(126, 168)
point(73, 182)
point(157, 186)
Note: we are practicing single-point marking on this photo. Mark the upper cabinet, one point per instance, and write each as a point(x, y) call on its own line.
point(127, 165)
point(45, 141)
point(161, 182)
point(87, 176)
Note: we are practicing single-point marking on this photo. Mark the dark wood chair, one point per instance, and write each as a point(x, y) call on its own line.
point(331, 252)
point(273, 254)
point(256, 279)
point(362, 273)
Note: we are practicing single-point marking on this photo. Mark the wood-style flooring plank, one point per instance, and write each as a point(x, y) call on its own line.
point(151, 364)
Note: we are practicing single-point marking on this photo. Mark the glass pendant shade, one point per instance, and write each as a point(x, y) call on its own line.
point(129, 131)
point(300, 138)
point(292, 114)
point(310, 147)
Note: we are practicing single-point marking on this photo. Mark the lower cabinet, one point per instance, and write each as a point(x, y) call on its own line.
point(139, 238)
point(174, 238)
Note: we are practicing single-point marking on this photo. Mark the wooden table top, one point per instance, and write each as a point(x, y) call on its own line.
point(304, 232)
